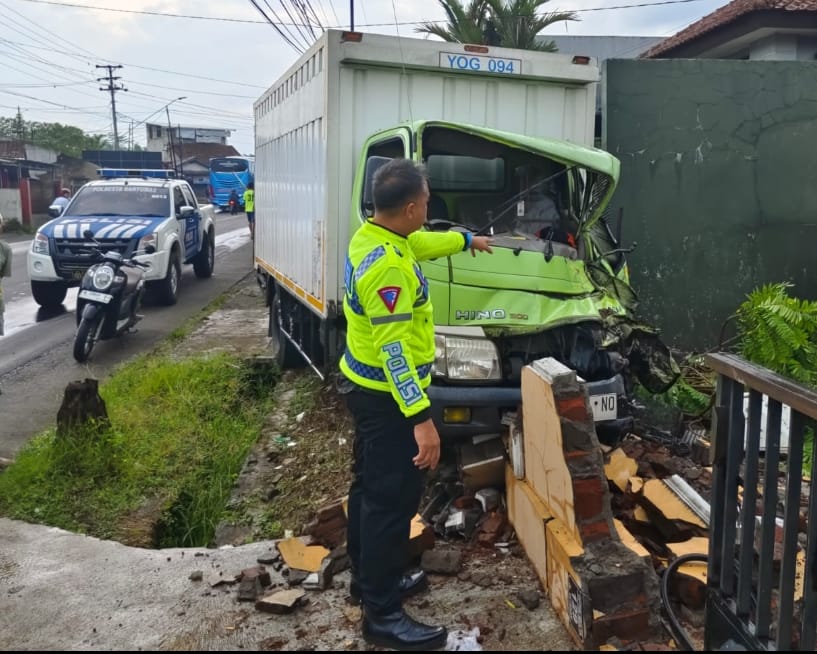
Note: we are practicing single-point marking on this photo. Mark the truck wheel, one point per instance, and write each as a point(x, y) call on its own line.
point(285, 354)
point(167, 290)
point(205, 260)
point(48, 294)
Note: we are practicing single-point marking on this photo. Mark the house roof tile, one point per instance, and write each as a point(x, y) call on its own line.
point(723, 16)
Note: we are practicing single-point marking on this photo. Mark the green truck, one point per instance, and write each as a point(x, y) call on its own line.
point(505, 137)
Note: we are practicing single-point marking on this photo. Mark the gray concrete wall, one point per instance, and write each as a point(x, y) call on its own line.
point(10, 206)
point(719, 184)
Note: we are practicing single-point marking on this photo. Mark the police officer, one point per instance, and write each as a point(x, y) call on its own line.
point(385, 369)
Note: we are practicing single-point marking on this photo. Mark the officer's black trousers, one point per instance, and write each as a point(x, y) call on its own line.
point(384, 497)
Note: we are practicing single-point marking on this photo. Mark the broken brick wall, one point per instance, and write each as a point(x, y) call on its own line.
point(600, 586)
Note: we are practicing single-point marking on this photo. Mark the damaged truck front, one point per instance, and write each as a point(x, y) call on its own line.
point(557, 282)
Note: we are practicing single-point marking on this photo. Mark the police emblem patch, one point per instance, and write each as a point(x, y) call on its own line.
point(389, 295)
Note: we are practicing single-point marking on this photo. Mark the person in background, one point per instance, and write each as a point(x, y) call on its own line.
point(249, 207)
point(233, 202)
point(62, 199)
point(384, 373)
point(5, 271)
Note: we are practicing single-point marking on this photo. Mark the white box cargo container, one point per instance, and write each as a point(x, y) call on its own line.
point(311, 124)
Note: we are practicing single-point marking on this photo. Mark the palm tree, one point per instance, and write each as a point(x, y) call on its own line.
point(510, 23)
point(465, 24)
point(518, 22)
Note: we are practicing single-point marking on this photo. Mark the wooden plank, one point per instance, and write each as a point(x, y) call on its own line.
point(529, 517)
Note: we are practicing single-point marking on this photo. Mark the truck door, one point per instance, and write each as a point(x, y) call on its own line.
point(391, 144)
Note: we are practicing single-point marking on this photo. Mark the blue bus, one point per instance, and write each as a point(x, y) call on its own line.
point(228, 174)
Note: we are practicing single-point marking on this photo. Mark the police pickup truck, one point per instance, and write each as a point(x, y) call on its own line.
point(125, 215)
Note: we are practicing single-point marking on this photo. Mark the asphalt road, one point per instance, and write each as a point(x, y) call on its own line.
point(35, 354)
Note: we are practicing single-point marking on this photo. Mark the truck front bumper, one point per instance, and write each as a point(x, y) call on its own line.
point(468, 411)
point(484, 405)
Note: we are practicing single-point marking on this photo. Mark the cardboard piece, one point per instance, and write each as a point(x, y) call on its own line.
point(696, 545)
point(483, 464)
point(669, 505)
point(620, 469)
point(629, 540)
point(302, 557)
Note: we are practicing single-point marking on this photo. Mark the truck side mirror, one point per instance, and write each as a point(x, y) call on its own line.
point(186, 211)
point(373, 164)
point(54, 210)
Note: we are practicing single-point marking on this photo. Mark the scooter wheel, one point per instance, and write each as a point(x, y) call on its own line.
point(85, 338)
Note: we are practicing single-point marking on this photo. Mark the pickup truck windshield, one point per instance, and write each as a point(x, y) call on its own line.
point(122, 201)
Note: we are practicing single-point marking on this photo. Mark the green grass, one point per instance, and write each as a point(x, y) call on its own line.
point(180, 431)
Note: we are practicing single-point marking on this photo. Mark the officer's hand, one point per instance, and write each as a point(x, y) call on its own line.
point(428, 442)
point(481, 243)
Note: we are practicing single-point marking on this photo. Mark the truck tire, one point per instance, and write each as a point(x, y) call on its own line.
point(205, 260)
point(282, 350)
point(48, 294)
point(167, 290)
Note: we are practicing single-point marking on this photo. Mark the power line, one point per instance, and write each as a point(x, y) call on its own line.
point(277, 29)
point(259, 22)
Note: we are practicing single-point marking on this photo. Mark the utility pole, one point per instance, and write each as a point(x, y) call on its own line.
point(351, 15)
point(170, 134)
point(112, 88)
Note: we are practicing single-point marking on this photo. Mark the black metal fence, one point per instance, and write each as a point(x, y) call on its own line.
point(761, 577)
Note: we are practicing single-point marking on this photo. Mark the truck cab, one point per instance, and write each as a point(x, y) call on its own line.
point(125, 214)
point(555, 286)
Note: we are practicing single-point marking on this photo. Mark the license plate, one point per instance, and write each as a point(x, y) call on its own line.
point(480, 63)
point(605, 407)
point(95, 296)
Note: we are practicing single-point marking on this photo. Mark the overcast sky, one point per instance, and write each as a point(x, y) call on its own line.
point(48, 53)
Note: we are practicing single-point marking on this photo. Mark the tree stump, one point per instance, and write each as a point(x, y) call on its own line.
point(81, 404)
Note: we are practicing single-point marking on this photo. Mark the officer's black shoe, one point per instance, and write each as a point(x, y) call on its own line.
point(410, 584)
point(401, 632)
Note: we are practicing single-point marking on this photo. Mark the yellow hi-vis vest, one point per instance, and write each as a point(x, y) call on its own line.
point(389, 318)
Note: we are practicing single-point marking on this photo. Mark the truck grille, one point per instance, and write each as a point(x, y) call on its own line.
point(71, 263)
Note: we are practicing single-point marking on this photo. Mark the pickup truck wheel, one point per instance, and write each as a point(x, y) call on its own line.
point(282, 350)
point(167, 290)
point(205, 260)
point(48, 294)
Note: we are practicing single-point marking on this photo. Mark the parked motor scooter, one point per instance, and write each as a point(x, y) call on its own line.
point(109, 299)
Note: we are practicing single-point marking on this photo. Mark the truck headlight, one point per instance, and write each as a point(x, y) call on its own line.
point(39, 245)
point(473, 359)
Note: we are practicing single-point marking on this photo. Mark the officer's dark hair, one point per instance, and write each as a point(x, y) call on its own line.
point(396, 183)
